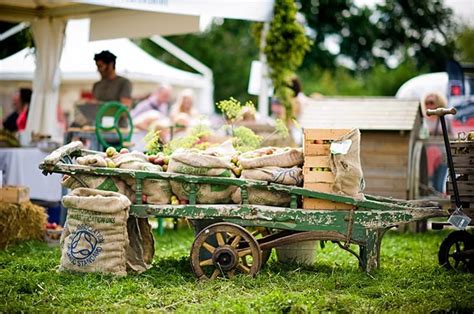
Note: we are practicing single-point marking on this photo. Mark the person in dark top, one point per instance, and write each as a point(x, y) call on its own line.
point(16, 121)
point(111, 87)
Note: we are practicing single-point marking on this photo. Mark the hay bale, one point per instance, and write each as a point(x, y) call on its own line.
point(19, 222)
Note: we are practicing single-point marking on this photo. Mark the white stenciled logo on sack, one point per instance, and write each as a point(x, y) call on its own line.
point(85, 245)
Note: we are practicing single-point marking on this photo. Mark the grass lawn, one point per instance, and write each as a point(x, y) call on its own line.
point(410, 280)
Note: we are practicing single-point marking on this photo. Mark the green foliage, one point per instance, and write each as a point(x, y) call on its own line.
point(368, 36)
point(378, 81)
point(153, 142)
point(465, 45)
point(280, 128)
point(409, 280)
point(244, 139)
point(15, 43)
point(285, 47)
point(194, 139)
point(227, 48)
point(231, 108)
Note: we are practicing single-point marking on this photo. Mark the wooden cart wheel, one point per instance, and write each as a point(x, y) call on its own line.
point(225, 249)
point(453, 253)
point(260, 232)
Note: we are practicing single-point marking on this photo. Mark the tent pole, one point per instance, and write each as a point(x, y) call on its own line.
point(264, 86)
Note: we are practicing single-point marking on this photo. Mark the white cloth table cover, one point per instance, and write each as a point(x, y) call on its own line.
point(20, 167)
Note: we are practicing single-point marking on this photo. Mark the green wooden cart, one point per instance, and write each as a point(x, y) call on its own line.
point(228, 246)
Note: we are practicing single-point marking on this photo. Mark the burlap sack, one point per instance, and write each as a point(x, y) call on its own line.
point(258, 196)
point(288, 176)
point(141, 245)
point(206, 193)
point(104, 183)
point(97, 160)
point(272, 157)
point(133, 161)
point(202, 160)
point(95, 239)
point(156, 191)
point(347, 169)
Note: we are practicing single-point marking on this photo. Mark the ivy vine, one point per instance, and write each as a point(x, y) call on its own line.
point(285, 47)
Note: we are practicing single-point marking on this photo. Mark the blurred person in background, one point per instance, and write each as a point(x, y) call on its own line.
point(157, 101)
point(436, 155)
point(111, 87)
point(184, 106)
point(16, 121)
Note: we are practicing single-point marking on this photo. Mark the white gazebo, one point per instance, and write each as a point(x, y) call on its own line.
point(109, 19)
point(78, 71)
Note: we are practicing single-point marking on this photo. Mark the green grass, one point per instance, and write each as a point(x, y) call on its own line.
point(409, 281)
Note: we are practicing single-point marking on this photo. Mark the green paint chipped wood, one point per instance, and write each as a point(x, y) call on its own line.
point(364, 225)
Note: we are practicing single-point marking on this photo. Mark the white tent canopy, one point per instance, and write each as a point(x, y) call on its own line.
point(77, 64)
point(77, 61)
point(112, 18)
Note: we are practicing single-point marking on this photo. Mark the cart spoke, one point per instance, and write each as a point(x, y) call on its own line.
point(245, 252)
point(231, 274)
point(236, 241)
point(243, 268)
point(220, 239)
point(207, 262)
point(215, 274)
point(458, 249)
point(208, 247)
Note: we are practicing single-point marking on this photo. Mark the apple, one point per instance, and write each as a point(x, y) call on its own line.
point(124, 151)
point(183, 202)
point(166, 159)
point(159, 161)
point(151, 159)
point(110, 151)
point(165, 167)
point(237, 171)
point(144, 198)
point(174, 200)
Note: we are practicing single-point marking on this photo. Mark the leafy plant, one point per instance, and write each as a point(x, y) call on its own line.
point(244, 139)
point(197, 138)
point(153, 142)
point(285, 47)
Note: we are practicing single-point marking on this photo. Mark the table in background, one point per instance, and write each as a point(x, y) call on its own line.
point(20, 167)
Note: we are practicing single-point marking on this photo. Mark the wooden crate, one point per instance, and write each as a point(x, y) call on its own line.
point(319, 186)
point(463, 160)
point(311, 203)
point(317, 141)
point(14, 194)
point(310, 175)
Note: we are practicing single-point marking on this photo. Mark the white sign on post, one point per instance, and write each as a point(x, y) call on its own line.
point(256, 78)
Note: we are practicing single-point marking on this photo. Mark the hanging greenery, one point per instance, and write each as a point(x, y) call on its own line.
point(285, 47)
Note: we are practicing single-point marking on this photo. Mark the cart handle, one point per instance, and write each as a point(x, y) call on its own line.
point(58, 154)
point(440, 112)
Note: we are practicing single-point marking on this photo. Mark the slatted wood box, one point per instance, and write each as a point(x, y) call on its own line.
point(317, 171)
point(15, 194)
point(463, 160)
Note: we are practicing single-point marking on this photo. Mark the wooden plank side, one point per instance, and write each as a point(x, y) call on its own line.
point(311, 203)
point(316, 161)
point(317, 176)
point(311, 149)
point(324, 134)
point(464, 187)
